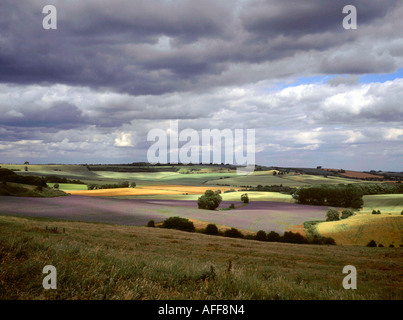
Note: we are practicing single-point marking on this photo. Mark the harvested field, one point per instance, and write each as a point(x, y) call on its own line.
point(362, 228)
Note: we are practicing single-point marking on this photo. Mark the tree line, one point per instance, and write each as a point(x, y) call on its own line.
point(347, 196)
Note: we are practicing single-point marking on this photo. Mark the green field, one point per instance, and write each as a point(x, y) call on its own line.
point(69, 186)
point(386, 203)
point(100, 261)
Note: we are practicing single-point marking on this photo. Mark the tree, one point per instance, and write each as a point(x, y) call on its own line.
point(179, 224)
point(261, 236)
point(332, 215)
point(132, 184)
point(346, 213)
point(151, 224)
point(273, 236)
point(245, 198)
point(233, 233)
point(209, 201)
point(372, 244)
point(211, 229)
point(56, 186)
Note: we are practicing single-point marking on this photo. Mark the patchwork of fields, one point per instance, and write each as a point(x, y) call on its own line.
point(257, 215)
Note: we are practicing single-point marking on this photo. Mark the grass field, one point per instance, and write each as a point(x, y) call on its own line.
point(386, 203)
point(69, 186)
point(98, 261)
point(362, 228)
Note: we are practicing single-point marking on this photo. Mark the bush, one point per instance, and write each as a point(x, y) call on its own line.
point(273, 236)
point(232, 206)
point(56, 186)
point(151, 224)
point(332, 215)
point(211, 229)
point(372, 244)
point(233, 233)
point(210, 200)
point(346, 213)
point(291, 237)
point(261, 236)
point(376, 212)
point(245, 198)
point(178, 223)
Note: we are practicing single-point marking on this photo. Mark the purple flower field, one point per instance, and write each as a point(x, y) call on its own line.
point(257, 215)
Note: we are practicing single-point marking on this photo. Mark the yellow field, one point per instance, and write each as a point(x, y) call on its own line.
point(147, 190)
point(362, 228)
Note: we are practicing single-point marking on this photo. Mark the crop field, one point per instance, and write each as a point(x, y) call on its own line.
point(291, 180)
point(257, 215)
point(362, 228)
point(386, 203)
point(68, 171)
point(145, 178)
point(69, 186)
point(100, 261)
point(146, 190)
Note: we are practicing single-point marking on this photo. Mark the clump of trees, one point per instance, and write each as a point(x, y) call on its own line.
point(332, 215)
point(124, 184)
point(347, 196)
point(179, 223)
point(376, 211)
point(211, 229)
point(346, 213)
point(7, 175)
point(209, 201)
point(245, 198)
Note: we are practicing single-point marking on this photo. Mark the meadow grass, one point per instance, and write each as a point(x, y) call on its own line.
point(386, 203)
point(100, 261)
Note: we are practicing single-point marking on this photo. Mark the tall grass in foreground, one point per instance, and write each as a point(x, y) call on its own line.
point(99, 261)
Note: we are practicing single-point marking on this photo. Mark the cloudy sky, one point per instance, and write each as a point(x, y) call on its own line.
point(90, 91)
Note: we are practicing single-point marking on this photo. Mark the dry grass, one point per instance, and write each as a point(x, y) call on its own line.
point(362, 228)
point(99, 261)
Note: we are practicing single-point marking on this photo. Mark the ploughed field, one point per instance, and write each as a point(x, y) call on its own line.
point(257, 215)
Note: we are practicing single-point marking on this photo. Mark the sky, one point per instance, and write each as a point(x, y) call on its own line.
point(314, 92)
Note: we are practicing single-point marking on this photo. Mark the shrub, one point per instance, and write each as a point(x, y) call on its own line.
point(291, 237)
point(273, 236)
point(245, 198)
point(261, 236)
point(232, 206)
point(211, 229)
point(56, 186)
point(233, 233)
point(332, 215)
point(380, 245)
point(346, 213)
point(210, 200)
point(372, 244)
point(376, 212)
point(151, 224)
point(178, 223)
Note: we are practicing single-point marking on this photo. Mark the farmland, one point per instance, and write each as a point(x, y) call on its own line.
point(265, 215)
point(361, 229)
point(101, 261)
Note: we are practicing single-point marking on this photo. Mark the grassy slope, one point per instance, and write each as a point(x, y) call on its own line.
point(25, 190)
point(362, 228)
point(97, 261)
point(386, 203)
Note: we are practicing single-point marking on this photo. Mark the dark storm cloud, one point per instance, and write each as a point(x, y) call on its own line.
point(60, 116)
point(295, 18)
point(117, 44)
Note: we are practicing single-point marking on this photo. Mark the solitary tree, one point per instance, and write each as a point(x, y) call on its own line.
point(210, 200)
point(245, 198)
